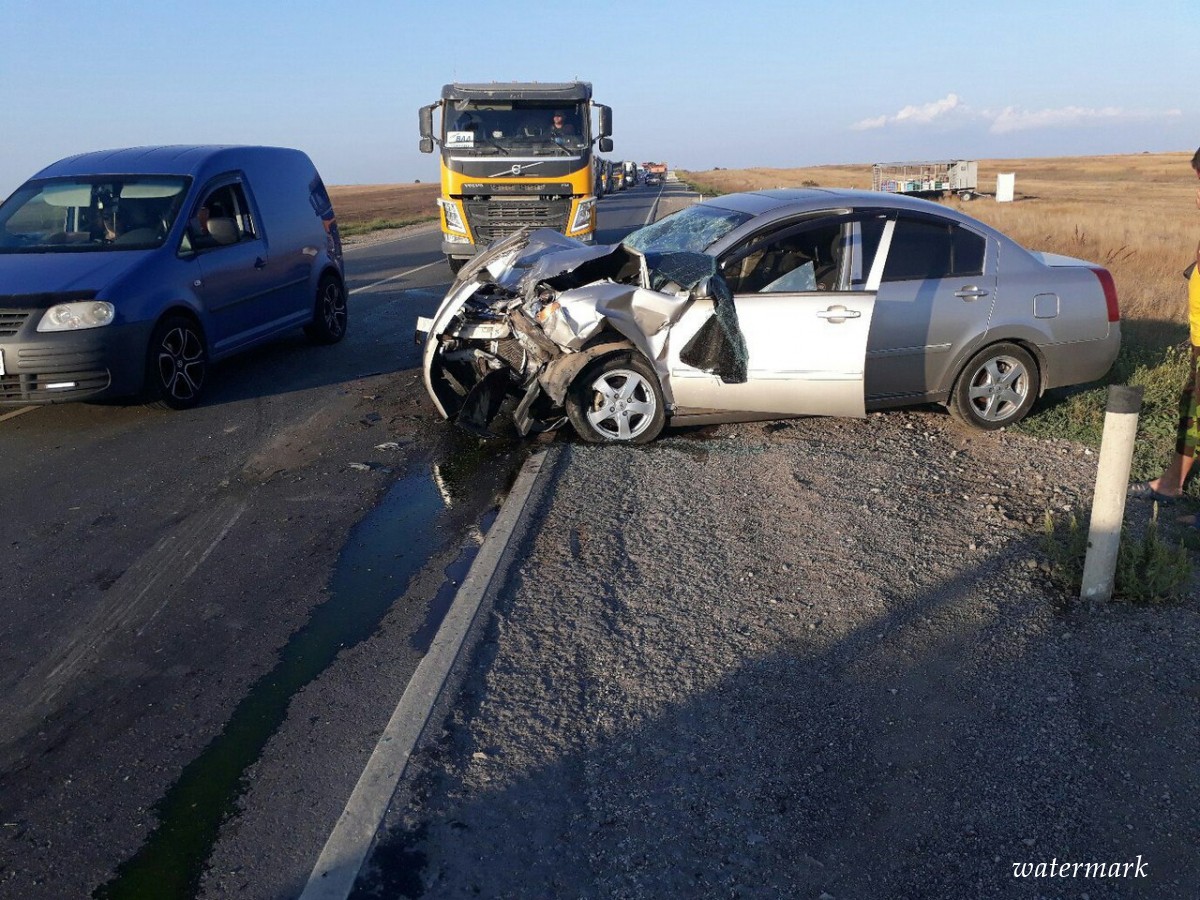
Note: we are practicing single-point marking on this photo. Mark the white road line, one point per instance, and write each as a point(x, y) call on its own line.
point(17, 412)
point(367, 287)
point(653, 207)
point(337, 867)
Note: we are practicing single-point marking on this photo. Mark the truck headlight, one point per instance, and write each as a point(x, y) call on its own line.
point(583, 215)
point(76, 316)
point(454, 221)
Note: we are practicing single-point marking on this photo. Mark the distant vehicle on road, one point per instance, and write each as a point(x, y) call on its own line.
point(132, 271)
point(767, 305)
point(927, 179)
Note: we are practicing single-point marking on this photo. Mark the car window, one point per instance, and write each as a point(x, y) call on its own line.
point(221, 218)
point(89, 213)
point(923, 248)
point(799, 257)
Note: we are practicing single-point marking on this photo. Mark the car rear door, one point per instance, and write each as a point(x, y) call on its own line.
point(805, 324)
point(934, 303)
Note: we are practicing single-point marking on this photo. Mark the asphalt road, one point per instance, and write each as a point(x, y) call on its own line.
point(209, 615)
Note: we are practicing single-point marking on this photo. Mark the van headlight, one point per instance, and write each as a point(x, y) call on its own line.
point(454, 220)
point(583, 215)
point(77, 316)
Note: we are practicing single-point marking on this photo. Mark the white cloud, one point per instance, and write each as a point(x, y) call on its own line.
point(1012, 118)
point(917, 115)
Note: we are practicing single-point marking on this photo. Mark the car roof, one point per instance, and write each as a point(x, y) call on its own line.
point(198, 161)
point(757, 203)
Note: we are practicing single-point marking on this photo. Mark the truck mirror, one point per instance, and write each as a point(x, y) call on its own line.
point(606, 145)
point(605, 120)
point(426, 128)
point(426, 145)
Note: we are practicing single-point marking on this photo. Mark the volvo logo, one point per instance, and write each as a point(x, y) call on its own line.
point(517, 169)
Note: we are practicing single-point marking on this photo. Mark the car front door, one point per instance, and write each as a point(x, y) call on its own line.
point(243, 289)
point(804, 322)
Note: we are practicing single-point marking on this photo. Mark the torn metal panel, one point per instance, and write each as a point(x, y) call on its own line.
point(557, 376)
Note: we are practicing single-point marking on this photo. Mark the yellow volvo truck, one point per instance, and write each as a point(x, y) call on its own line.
point(514, 155)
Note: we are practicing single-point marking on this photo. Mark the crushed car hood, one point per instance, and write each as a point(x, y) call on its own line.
point(558, 296)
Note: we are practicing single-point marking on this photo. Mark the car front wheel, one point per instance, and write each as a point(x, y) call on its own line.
point(617, 399)
point(176, 364)
point(329, 313)
point(997, 388)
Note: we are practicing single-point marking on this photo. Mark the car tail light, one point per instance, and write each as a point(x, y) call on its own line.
point(1110, 293)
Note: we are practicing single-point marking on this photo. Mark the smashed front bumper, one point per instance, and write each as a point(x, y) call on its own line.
point(525, 316)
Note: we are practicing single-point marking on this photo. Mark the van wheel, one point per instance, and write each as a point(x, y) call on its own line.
point(617, 399)
point(996, 388)
point(329, 313)
point(176, 364)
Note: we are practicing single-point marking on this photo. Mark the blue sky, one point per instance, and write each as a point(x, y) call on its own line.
point(696, 84)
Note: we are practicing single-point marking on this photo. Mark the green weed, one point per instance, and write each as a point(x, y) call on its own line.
point(1149, 569)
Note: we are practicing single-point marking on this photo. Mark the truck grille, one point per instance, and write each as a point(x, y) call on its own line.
point(491, 219)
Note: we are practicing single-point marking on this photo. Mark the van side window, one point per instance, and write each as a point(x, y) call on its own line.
point(223, 217)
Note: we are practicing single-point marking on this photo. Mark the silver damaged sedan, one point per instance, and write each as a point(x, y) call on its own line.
point(765, 305)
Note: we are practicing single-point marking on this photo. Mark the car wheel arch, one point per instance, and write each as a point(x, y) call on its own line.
point(955, 371)
point(992, 403)
point(558, 376)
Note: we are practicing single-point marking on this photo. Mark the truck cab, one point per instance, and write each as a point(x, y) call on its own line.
point(514, 155)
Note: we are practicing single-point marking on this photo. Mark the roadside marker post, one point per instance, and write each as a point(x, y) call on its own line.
point(1112, 481)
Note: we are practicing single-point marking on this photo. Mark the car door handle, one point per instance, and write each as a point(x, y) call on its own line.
point(260, 263)
point(835, 315)
point(970, 293)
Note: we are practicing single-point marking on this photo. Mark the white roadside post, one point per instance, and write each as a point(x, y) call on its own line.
point(1112, 481)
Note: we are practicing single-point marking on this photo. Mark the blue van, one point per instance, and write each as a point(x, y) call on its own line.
point(129, 272)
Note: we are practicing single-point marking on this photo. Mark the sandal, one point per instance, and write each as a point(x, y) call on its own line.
point(1143, 491)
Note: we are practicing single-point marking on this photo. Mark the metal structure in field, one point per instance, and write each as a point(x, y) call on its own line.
point(935, 177)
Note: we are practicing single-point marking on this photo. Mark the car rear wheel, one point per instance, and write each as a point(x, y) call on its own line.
point(996, 388)
point(329, 312)
point(617, 399)
point(176, 364)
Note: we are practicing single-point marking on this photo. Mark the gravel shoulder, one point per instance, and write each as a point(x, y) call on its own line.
point(816, 658)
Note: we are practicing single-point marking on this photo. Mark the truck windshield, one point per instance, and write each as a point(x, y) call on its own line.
point(514, 127)
point(91, 213)
point(693, 229)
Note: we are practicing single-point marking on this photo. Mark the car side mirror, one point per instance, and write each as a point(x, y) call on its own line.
point(701, 290)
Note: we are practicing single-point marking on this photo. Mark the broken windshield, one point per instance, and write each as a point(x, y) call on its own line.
point(694, 229)
point(515, 127)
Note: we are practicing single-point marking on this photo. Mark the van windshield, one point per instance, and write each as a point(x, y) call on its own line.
point(126, 212)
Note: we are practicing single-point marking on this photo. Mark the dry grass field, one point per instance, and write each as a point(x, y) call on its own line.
point(367, 207)
point(1136, 214)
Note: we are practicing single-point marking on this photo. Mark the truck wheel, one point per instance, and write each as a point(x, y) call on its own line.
point(617, 399)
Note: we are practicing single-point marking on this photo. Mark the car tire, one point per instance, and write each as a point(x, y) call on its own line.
point(996, 388)
point(330, 314)
point(617, 399)
point(176, 364)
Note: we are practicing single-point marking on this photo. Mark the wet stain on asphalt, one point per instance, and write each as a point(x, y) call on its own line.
point(385, 551)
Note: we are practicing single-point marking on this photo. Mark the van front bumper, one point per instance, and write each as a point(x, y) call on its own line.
point(58, 367)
